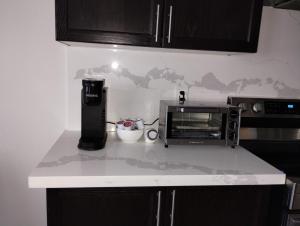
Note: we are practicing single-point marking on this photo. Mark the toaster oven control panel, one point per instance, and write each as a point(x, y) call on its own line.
point(233, 125)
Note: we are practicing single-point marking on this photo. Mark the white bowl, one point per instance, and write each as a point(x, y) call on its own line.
point(130, 136)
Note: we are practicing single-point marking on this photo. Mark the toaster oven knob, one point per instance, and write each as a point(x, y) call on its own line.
point(180, 110)
point(233, 125)
point(257, 107)
point(232, 136)
point(243, 106)
point(234, 114)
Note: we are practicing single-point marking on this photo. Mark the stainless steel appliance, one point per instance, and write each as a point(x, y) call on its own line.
point(270, 128)
point(198, 123)
point(93, 115)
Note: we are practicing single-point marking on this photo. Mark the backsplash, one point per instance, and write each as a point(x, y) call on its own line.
point(138, 79)
point(208, 81)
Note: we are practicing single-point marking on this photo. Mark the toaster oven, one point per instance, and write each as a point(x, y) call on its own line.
point(199, 123)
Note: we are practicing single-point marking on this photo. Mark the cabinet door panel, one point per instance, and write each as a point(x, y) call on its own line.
point(229, 25)
point(101, 207)
point(227, 206)
point(132, 22)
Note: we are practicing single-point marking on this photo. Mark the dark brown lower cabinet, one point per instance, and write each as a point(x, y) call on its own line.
point(97, 207)
point(228, 206)
point(166, 206)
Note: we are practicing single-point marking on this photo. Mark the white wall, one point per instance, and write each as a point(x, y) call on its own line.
point(145, 77)
point(32, 110)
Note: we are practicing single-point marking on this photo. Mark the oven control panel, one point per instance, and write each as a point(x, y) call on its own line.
point(267, 107)
point(272, 107)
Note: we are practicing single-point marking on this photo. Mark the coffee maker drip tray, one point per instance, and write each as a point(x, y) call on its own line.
point(92, 143)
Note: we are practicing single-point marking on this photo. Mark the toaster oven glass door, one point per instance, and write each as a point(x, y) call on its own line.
point(206, 126)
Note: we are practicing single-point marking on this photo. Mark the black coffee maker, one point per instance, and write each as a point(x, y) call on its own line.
point(93, 115)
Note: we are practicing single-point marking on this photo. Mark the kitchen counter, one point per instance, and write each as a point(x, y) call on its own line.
point(140, 165)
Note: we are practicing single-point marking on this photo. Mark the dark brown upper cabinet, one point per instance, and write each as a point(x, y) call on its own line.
point(228, 25)
point(128, 22)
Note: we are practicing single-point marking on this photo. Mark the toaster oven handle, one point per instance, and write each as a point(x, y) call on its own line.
point(183, 109)
point(215, 135)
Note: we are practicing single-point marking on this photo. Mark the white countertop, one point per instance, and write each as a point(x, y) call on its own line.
point(140, 164)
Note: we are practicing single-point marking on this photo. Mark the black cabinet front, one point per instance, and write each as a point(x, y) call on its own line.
point(166, 206)
point(228, 206)
point(130, 22)
point(102, 207)
point(229, 25)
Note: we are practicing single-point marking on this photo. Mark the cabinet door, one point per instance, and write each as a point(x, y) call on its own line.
point(130, 22)
point(228, 25)
point(102, 207)
point(227, 206)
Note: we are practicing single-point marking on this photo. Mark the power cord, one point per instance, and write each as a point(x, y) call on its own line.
point(151, 123)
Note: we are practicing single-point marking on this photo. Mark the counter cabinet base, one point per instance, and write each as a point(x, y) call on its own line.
point(259, 205)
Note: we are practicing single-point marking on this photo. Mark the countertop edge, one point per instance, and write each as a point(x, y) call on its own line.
point(154, 181)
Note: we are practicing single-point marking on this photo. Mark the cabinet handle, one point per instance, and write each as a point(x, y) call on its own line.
point(173, 207)
point(157, 22)
point(158, 208)
point(170, 23)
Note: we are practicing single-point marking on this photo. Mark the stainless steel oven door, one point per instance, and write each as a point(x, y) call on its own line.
point(293, 220)
point(293, 185)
